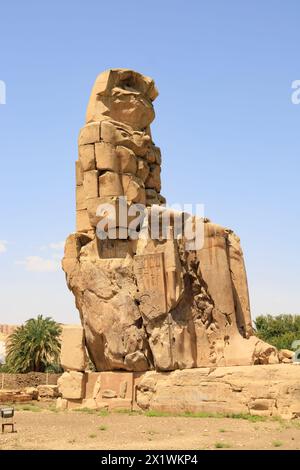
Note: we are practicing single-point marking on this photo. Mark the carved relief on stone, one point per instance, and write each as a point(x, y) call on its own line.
point(150, 274)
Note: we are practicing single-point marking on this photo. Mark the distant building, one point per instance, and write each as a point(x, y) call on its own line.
point(5, 331)
point(2, 352)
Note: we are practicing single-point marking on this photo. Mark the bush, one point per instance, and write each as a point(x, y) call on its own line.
point(280, 331)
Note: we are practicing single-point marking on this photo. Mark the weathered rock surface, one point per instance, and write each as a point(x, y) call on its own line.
point(33, 391)
point(71, 385)
point(271, 390)
point(61, 403)
point(14, 396)
point(266, 390)
point(48, 391)
point(73, 355)
point(151, 303)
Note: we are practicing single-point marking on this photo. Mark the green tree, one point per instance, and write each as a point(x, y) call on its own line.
point(280, 331)
point(34, 346)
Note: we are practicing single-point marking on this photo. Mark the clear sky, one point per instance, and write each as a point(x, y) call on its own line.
point(225, 122)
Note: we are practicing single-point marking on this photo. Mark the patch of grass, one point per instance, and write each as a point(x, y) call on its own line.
point(157, 414)
point(128, 412)
point(278, 419)
point(277, 443)
point(296, 424)
point(222, 445)
point(283, 422)
point(92, 436)
point(102, 428)
point(187, 414)
point(204, 414)
point(71, 441)
point(246, 416)
point(88, 411)
point(103, 412)
point(222, 430)
point(24, 406)
point(53, 409)
point(200, 414)
point(33, 408)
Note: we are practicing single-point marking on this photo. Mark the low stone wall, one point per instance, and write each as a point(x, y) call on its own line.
point(266, 390)
point(32, 379)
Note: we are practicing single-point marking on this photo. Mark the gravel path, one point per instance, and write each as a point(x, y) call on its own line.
point(46, 429)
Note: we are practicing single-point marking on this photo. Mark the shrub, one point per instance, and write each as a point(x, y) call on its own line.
point(280, 331)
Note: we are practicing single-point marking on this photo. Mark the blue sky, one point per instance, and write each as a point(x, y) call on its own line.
point(225, 122)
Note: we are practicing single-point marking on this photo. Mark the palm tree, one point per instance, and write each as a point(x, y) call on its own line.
point(34, 346)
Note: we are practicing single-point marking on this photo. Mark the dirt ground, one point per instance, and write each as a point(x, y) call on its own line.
point(43, 428)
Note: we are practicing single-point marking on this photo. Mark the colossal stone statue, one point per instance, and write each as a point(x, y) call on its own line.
point(149, 302)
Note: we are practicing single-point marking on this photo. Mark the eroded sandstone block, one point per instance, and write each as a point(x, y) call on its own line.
point(71, 385)
point(33, 392)
point(109, 389)
point(87, 156)
point(81, 203)
point(110, 184)
point(48, 391)
point(153, 302)
point(79, 173)
point(83, 221)
point(61, 404)
point(153, 179)
point(270, 390)
point(90, 184)
point(89, 134)
point(106, 157)
point(127, 160)
point(133, 189)
point(73, 355)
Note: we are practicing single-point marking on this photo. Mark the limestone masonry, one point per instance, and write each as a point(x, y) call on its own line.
point(147, 304)
point(265, 390)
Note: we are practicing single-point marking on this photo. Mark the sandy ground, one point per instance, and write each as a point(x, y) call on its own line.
point(45, 429)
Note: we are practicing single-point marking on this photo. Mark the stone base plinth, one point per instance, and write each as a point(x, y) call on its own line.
point(266, 390)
